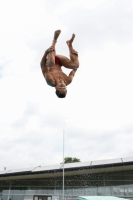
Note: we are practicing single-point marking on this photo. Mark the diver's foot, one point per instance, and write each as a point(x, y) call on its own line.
point(56, 34)
point(69, 42)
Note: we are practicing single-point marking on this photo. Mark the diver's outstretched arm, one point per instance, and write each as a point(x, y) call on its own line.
point(44, 58)
point(72, 73)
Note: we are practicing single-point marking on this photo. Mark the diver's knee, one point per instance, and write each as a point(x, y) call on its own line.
point(76, 66)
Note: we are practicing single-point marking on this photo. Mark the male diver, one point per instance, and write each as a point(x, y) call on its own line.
point(51, 65)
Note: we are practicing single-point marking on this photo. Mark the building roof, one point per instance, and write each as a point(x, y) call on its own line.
point(70, 168)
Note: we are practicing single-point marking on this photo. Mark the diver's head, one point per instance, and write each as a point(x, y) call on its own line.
point(61, 89)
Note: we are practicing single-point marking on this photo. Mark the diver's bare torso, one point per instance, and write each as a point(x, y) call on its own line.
point(54, 73)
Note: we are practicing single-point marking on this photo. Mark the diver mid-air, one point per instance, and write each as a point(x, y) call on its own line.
point(51, 64)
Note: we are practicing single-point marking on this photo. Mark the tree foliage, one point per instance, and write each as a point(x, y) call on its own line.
point(71, 160)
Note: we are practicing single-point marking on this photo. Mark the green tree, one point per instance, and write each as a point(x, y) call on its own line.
point(71, 160)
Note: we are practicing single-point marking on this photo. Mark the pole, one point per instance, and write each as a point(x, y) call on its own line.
point(63, 164)
point(63, 154)
point(9, 191)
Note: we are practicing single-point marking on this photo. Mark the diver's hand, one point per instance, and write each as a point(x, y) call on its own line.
point(49, 49)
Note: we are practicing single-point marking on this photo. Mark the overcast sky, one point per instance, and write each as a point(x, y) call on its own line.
point(98, 109)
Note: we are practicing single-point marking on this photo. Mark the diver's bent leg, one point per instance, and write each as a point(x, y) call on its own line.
point(68, 63)
point(50, 59)
point(73, 62)
point(56, 35)
point(73, 54)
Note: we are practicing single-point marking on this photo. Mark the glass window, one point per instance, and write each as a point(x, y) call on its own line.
point(118, 190)
point(18, 191)
point(18, 197)
point(100, 191)
point(86, 191)
point(5, 191)
point(10, 197)
point(78, 191)
point(42, 198)
point(27, 197)
point(128, 190)
point(92, 191)
point(68, 191)
point(30, 191)
point(50, 191)
point(4, 197)
point(57, 191)
point(104, 191)
point(11, 191)
point(41, 191)
point(107, 191)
